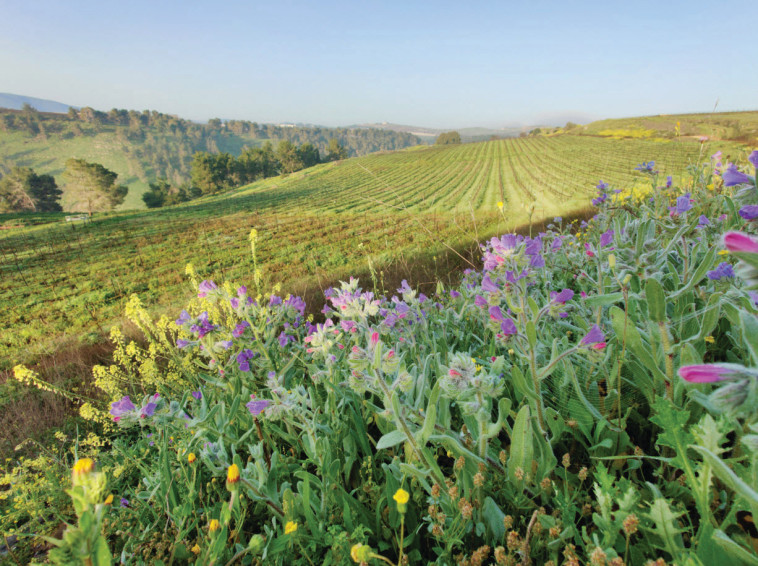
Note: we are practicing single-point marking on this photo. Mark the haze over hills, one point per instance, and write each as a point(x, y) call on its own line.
point(17, 101)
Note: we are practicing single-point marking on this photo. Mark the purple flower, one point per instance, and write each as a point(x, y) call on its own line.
point(488, 285)
point(646, 167)
point(205, 287)
point(242, 291)
point(724, 270)
point(557, 243)
point(749, 212)
point(562, 297)
point(753, 159)
point(239, 330)
point(480, 301)
point(708, 373)
point(703, 220)
point(119, 408)
point(197, 395)
point(404, 288)
point(669, 181)
point(148, 410)
point(225, 344)
point(508, 327)
point(602, 187)
point(274, 300)
point(285, 339)
point(594, 338)
point(606, 238)
point(454, 294)
point(533, 246)
point(125, 501)
point(297, 303)
point(683, 204)
point(180, 343)
point(257, 406)
point(496, 313)
point(235, 302)
point(537, 261)
point(183, 319)
point(243, 359)
point(734, 177)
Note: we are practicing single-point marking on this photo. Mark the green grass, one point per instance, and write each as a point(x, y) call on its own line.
point(62, 281)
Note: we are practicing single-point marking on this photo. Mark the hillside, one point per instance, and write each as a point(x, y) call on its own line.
point(735, 126)
point(393, 212)
point(17, 101)
point(145, 146)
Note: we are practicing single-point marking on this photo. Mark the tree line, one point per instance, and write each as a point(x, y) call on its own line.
point(164, 145)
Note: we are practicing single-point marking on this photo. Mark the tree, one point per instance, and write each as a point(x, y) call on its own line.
point(94, 185)
point(335, 151)
point(287, 154)
point(448, 138)
point(309, 155)
point(23, 189)
point(155, 197)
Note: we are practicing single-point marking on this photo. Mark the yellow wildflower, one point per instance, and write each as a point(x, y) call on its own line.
point(723, 252)
point(401, 497)
point(196, 549)
point(500, 205)
point(710, 339)
point(191, 458)
point(83, 467)
point(290, 527)
point(232, 477)
point(214, 526)
point(109, 499)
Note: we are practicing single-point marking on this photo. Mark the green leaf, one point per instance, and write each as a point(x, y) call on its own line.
point(531, 334)
point(726, 475)
point(750, 333)
point(666, 527)
point(734, 549)
point(494, 516)
point(391, 439)
point(431, 416)
point(656, 303)
point(522, 446)
point(603, 300)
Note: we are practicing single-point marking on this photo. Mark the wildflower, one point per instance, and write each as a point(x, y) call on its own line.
point(205, 287)
point(733, 177)
point(669, 181)
point(723, 271)
point(124, 502)
point(749, 212)
point(488, 285)
point(360, 553)
point(197, 395)
point(290, 527)
point(232, 477)
point(83, 467)
point(739, 242)
point(147, 410)
point(709, 373)
point(594, 338)
point(683, 204)
point(257, 406)
point(606, 239)
point(646, 167)
point(183, 318)
point(243, 359)
point(191, 458)
point(562, 297)
point(196, 549)
point(120, 408)
point(239, 330)
point(500, 205)
point(401, 497)
point(109, 499)
point(703, 220)
point(214, 525)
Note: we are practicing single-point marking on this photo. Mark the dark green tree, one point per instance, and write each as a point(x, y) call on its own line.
point(309, 155)
point(287, 154)
point(335, 151)
point(93, 185)
point(448, 138)
point(22, 189)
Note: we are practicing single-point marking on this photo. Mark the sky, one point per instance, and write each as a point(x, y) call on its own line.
point(434, 64)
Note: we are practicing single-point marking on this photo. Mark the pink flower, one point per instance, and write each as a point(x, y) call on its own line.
point(708, 373)
point(739, 242)
point(374, 338)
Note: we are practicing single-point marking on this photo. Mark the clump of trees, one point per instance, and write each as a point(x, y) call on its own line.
point(93, 184)
point(448, 138)
point(24, 190)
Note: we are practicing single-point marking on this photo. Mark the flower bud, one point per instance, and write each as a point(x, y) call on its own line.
point(401, 497)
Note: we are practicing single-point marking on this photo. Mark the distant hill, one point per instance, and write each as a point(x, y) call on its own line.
point(142, 147)
point(17, 101)
point(472, 134)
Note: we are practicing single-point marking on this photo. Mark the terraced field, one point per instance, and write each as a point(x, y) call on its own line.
point(392, 212)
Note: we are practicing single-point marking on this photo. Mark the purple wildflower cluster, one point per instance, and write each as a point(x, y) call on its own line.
point(602, 194)
point(124, 409)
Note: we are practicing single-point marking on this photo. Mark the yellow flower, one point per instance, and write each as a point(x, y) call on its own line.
point(401, 496)
point(233, 475)
point(214, 525)
point(290, 527)
point(191, 458)
point(83, 467)
point(723, 252)
point(196, 549)
point(500, 205)
point(109, 499)
point(710, 339)
point(360, 553)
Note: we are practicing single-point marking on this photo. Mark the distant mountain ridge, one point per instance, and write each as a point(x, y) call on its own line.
point(17, 101)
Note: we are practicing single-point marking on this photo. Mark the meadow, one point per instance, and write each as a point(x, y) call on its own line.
point(587, 394)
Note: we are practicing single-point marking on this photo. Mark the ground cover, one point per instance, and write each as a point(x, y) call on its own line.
point(587, 395)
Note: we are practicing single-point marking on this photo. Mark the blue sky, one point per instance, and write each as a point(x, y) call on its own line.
point(435, 64)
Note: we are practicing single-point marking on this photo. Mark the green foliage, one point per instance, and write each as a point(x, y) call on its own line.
point(448, 138)
point(94, 185)
point(23, 190)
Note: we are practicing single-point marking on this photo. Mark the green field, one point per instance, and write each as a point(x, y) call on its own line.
point(66, 283)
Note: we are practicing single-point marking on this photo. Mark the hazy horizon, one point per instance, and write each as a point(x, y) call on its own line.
point(337, 64)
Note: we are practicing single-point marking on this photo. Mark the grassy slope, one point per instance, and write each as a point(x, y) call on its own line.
point(315, 226)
